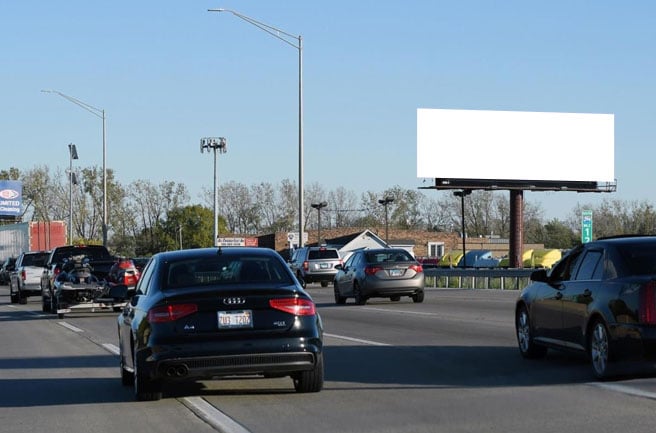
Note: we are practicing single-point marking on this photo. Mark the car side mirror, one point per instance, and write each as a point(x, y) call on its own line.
point(339, 267)
point(134, 300)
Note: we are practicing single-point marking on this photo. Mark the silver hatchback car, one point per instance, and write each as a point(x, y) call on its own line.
point(382, 273)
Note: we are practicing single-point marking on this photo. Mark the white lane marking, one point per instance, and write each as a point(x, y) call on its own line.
point(111, 348)
point(404, 312)
point(71, 327)
point(625, 390)
point(213, 416)
point(356, 340)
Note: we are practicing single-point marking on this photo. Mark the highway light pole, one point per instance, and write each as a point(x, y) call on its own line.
point(386, 201)
point(72, 179)
point(318, 207)
point(101, 114)
point(217, 144)
point(298, 44)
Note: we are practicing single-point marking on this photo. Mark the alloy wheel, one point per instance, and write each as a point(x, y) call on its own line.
point(599, 350)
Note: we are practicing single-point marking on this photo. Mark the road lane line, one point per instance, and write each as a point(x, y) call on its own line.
point(625, 390)
point(404, 312)
point(111, 348)
point(356, 340)
point(213, 416)
point(71, 327)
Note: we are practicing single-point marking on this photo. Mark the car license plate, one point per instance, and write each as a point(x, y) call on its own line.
point(235, 319)
point(396, 272)
point(324, 265)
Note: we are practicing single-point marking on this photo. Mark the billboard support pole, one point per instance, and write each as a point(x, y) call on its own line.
point(516, 228)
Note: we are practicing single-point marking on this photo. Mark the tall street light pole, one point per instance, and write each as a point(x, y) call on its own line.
point(72, 179)
point(289, 40)
point(217, 144)
point(318, 207)
point(100, 113)
point(385, 201)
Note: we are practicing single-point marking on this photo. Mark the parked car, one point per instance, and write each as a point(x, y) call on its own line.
point(206, 313)
point(382, 273)
point(25, 280)
point(315, 264)
point(6, 269)
point(600, 299)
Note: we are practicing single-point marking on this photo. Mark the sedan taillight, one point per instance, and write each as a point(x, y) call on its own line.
point(295, 306)
point(371, 270)
point(417, 268)
point(170, 313)
point(648, 303)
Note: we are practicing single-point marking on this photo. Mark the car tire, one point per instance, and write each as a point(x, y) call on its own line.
point(13, 296)
point(360, 299)
point(527, 346)
point(311, 380)
point(21, 298)
point(339, 299)
point(144, 389)
point(324, 284)
point(600, 350)
point(418, 297)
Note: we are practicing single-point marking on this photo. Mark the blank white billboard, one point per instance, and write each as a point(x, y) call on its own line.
point(515, 145)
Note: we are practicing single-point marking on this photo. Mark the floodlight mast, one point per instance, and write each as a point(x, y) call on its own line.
point(72, 179)
point(220, 145)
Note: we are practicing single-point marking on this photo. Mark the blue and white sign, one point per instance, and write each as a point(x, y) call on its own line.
point(11, 197)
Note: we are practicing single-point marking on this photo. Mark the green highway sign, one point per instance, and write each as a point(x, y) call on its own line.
point(586, 226)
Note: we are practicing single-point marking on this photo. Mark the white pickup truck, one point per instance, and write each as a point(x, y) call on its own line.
point(25, 281)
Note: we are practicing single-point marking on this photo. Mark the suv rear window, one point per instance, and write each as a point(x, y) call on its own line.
point(34, 259)
point(323, 254)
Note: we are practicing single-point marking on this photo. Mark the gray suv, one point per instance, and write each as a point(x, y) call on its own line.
point(315, 264)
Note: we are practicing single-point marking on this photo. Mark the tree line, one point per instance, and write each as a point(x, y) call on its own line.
point(145, 218)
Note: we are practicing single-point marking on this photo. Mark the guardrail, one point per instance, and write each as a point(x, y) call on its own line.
point(462, 278)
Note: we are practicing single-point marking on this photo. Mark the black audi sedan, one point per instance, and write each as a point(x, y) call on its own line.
point(600, 299)
point(209, 313)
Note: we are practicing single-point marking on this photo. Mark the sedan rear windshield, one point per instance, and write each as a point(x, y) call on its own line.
point(226, 270)
point(389, 256)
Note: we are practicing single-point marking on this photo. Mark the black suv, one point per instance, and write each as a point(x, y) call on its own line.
point(315, 264)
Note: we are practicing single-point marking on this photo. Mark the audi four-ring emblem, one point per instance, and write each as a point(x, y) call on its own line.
point(234, 301)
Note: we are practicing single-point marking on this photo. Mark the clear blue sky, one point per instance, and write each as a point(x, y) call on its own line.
point(170, 72)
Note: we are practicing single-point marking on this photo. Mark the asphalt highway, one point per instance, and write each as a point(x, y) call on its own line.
point(449, 364)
